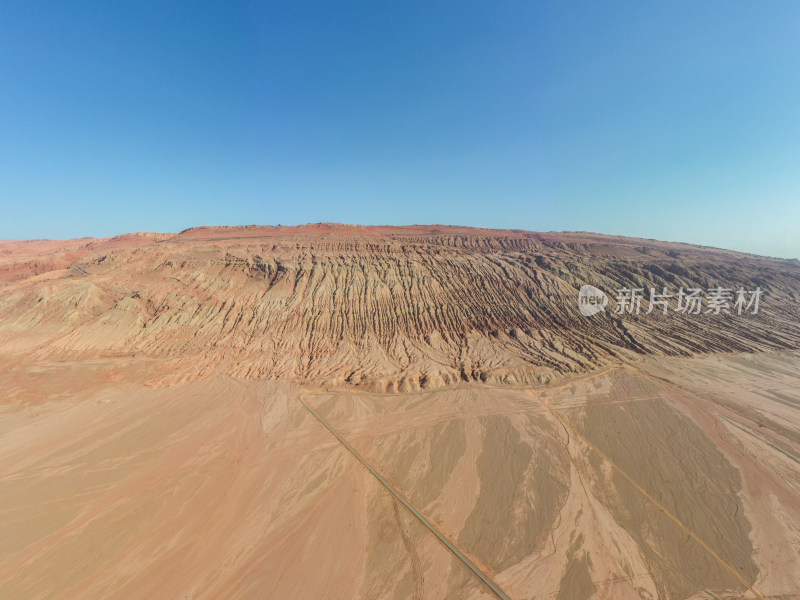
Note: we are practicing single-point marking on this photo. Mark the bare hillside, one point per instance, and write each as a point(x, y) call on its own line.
point(378, 413)
point(389, 308)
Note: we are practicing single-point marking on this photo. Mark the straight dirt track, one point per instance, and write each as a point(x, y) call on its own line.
point(496, 590)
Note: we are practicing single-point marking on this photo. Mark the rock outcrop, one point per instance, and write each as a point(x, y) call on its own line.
point(386, 308)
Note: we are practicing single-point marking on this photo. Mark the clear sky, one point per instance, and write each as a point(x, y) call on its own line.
point(669, 120)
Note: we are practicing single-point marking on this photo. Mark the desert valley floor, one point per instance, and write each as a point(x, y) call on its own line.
point(671, 478)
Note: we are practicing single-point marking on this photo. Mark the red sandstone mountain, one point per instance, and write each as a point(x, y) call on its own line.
point(393, 308)
point(203, 415)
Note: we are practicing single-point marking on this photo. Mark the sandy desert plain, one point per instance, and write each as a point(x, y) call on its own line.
point(342, 412)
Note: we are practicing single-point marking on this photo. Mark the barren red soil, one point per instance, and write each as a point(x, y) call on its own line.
point(165, 401)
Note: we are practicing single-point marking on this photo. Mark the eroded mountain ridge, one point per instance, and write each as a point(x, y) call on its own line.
point(387, 308)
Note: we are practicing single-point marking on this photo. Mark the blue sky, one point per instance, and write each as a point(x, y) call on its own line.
point(669, 120)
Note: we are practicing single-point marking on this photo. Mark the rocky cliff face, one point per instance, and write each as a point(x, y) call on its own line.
point(387, 308)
